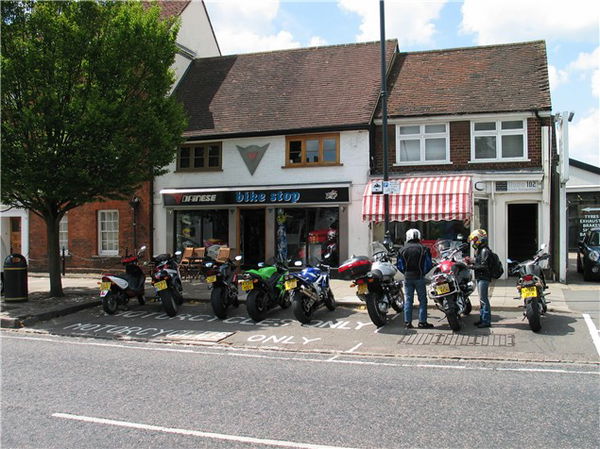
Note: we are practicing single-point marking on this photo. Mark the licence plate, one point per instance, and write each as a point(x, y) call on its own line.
point(211, 279)
point(528, 292)
point(291, 284)
point(160, 285)
point(104, 288)
point(247, 285)
point(362, 289)
point(442, 288)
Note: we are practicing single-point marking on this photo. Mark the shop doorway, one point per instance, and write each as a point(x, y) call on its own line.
point(522, 231)
point(252, 236)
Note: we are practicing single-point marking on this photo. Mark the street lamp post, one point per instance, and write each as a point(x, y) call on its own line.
point(386, 205)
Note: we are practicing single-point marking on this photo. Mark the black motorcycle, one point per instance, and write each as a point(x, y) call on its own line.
point(222, 276)
point(166, 279)
point(116, 289)
point(531, 286)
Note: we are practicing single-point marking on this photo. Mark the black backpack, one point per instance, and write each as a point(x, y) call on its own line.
point(496, 269)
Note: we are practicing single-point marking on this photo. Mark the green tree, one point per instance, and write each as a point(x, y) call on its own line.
point(86, 111)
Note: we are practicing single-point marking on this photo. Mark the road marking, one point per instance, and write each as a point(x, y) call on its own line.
point(195, 433)
point(354, 348)
point(229, 352)
point(593, 331)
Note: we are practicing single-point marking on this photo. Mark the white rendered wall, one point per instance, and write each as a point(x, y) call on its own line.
point(354, 157)
point(196, 33)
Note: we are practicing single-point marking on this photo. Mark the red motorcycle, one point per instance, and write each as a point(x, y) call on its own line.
point(451, 282)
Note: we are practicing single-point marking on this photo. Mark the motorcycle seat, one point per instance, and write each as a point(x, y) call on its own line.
point(134, 282)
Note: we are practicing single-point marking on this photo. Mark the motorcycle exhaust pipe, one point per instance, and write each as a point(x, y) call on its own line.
point(308, 292)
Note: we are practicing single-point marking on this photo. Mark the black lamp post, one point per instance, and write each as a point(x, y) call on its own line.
point(134, 202)
point(386, 205)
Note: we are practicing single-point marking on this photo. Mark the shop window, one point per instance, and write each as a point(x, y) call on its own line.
point(108, 232)
point(313, 150)
point(201, 228)
point(307, 234)
point(500, 140)
point(418, 144)
point(200, 157)
point(431, 231)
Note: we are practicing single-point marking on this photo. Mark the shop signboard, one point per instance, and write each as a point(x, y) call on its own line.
point(323, 195)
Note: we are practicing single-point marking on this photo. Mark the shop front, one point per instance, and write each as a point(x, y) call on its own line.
point(284, 222)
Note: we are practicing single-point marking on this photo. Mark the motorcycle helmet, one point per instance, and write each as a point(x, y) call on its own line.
point(332, 234)
point(413, 234)
point(478, 237)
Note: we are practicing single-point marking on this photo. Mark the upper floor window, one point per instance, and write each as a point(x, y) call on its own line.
point(319, 149)
point(63, 234)
point(499, 140)
point(108, 232)
point(417, 144)
point(199, 156)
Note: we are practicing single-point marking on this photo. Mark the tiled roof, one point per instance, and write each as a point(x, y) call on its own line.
point(498, 78)
point(170, 8)
point(309, 88)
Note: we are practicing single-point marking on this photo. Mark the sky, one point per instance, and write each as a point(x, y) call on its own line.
point(571, 30)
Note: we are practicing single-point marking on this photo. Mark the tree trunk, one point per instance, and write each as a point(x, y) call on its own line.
point(52, 226)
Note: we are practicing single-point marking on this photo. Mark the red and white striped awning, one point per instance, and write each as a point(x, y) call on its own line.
point(440, 198)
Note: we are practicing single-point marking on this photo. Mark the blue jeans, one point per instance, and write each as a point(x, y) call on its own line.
point(485, 312)
point(409, 292)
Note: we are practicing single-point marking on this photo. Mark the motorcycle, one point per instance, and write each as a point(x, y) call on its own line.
point(166, 280)
point(531, 286)
point(309, 290)
point(116, 289)
point(450, 282)
point(223, 279)
point(375, 282)
point(265, 287)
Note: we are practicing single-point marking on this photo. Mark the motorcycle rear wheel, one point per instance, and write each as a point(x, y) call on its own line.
point(256, 305)
point(299, 307)
point(453, 320)
point(532, 312)
point(330, 301)
point(218, 301)
point(110, 302)
point(168, 301)
point(377, 316)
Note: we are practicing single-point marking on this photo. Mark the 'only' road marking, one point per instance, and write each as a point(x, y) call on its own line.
point(195, 433)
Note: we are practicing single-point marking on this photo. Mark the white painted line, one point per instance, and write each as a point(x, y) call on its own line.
point(354, 348)
point(593, 331)
point(195, 433)
point(441, 366)
point(331, 359)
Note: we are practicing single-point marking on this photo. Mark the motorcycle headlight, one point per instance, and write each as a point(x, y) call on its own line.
point(594, 256)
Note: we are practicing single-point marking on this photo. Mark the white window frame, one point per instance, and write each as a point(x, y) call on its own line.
point(107, 252)
point(422, 136)
point(498, 133)
point(63, 234)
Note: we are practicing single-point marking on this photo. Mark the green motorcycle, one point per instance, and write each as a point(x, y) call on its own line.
point(265, 286)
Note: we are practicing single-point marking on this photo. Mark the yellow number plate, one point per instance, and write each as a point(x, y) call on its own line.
point(161, 285)
point(247, 285)
point(362, 289)
point(528, 292)
point(105, 285)
point(211, 279)
point(291, 284)
point(442, 288)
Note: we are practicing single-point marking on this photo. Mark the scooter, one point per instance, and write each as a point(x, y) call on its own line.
point(223, 278)
point(309, 290)
point(265, 287)
point(166, 279)
point(116, 289)
point(531, 286)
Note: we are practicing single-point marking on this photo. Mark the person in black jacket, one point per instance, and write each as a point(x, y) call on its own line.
point(481, 270)
point(414, 260)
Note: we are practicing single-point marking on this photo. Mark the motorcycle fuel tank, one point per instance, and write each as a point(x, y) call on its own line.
point(388, 270)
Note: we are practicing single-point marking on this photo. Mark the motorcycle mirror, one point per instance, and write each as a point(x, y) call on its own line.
point(298, 263)
point(327, 256)
point(178, 253)
point(238, 258)
point(509, 261)
point(261, 264)
point(460, 237)
point(142, 249)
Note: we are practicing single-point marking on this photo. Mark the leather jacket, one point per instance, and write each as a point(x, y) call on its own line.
point(481, 267)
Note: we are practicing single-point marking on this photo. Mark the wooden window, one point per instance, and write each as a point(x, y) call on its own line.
point(311, 150)
point(108, 232)
point(199, 157)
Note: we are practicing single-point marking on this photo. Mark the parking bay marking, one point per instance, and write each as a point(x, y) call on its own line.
point(593, 331)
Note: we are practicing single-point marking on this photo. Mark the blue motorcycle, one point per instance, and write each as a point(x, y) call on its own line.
point(309, 290)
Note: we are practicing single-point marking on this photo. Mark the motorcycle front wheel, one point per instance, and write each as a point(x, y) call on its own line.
point(452, 316)
point(299, 307)
point(168, 301)
point(532, 312)
point(378, 317)
point(110, 303)
point(468, 307)
point(256, 304)
point(218, 300)
point(330, 301)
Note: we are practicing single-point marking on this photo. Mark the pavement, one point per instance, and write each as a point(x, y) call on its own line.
point(81, 292)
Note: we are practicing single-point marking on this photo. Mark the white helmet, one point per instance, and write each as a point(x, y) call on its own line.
point(413, 234)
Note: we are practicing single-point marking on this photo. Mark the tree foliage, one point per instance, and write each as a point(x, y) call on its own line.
point(86, 111)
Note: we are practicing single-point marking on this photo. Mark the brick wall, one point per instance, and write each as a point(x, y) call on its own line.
point(460, 151)
point(83, 234)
